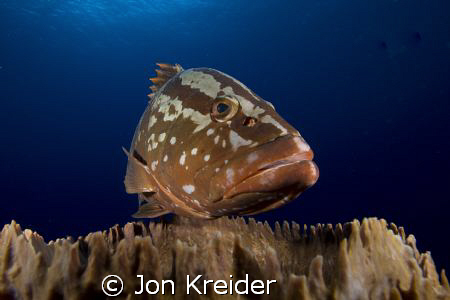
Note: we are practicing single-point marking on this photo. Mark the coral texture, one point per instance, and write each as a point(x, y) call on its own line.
point(368, 260)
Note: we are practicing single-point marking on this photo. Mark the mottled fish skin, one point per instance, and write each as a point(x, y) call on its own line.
point(186, 160)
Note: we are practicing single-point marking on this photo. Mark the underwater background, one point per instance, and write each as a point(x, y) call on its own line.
point(367, 83)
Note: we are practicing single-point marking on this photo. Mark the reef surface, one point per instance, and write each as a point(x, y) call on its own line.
point(368, 260)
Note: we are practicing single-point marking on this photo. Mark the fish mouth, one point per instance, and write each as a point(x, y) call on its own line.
point(294, 173)
point(281, 170)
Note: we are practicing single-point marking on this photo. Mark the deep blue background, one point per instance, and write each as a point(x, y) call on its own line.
point(365, 82)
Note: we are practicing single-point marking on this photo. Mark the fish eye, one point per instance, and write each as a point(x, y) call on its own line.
point(224, 108)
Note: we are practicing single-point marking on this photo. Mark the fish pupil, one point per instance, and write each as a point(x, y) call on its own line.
point(222, 107)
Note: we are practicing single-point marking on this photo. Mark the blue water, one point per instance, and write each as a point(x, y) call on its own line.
point(365, 82)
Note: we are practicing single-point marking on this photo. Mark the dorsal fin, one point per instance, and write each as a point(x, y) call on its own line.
point(164, 73)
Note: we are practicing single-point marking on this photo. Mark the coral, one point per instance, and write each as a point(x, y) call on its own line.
point(368, 260)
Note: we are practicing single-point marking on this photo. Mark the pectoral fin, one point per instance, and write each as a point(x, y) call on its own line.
point(137, 178)
point(149, 208)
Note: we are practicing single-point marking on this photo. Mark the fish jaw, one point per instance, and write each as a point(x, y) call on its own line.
point(275, 172)
point(287, 177)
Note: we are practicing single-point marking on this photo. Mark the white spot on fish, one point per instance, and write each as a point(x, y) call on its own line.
point(206, 83)
point(160, 100)
point(248, 108)
point(217, 170)
point(189, 188)
point(196, 202)
point(216, 139)
point(154, 164)
point(230, 175)
point(152, 121)
point(252, 157)
point(195, 116)
point(269, 119)
point(224, 143)
point(182, 158)
point(173, 140)
point(237, 141)
point(206, 157)
point(151, 140)
point(194, 151)
point(172, 104)
point(225, 161)
point(165, 158)
point(302, 145)
point(209, 131)
point(162, 136)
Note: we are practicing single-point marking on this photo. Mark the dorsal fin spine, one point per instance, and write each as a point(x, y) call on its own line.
point(166, 72)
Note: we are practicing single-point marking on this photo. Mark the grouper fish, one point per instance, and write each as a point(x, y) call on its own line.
point(207, 146)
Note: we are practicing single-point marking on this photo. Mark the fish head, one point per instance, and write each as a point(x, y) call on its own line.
point(239, 156)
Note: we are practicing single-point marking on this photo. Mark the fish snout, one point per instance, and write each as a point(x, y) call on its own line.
point(288, 177)
point(283, 165)
point(268, 189)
